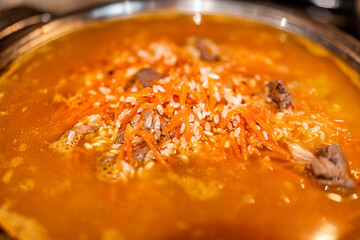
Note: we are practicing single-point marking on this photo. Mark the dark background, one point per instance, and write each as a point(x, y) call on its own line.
point(344, 14)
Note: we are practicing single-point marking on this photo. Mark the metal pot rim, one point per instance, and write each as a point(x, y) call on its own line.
point(341, 44)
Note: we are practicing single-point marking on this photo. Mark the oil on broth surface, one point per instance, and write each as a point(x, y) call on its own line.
point(50, 195)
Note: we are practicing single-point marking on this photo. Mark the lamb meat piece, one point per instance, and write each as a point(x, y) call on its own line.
point(280, 95)
point(145, 76)
point(330, 163)
point(330, 167)
point(209, 51)
point(140, 153)
point(120, 138)
point(346, 183)
point(72, 137)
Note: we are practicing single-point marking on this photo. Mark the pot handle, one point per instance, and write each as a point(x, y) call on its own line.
point(16, 22)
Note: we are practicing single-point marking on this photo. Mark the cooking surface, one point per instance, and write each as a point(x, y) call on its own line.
point(46, 194)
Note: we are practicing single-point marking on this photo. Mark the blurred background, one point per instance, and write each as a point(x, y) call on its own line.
point(344, 14)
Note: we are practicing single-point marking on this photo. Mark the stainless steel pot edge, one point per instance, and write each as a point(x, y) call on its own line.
point(341, 44)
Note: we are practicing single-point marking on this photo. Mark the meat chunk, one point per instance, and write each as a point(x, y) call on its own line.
point(330, 163)
point(209, 51)
point(72, 137)
point(280, 95)
point(330, 167)
point(140, 153)
point(120, 138)
point(204, 49)
point(146, 76)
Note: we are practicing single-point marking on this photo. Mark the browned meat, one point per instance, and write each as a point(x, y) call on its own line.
point(280, 95)
point(120, 138)
point(346, 183)
point(140, 153)
point(330, 167)
point(72, 137)
point(209, 51)
point(330, 163)
point(146, 76)
point(143, 78)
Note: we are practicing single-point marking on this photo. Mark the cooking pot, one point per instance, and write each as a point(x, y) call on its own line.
point(37, 28)
point(33, 29)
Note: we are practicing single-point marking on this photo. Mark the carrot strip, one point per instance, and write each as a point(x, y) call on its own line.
point(153, 148)
point(117, 111)
point(183, 93)
point(175, 121)
point(177, 133)
point(187, 125)
point(121, 151)
point(245, 114)
point(235, 147)
point(224, 121)
point(148, 106)
point(169, 110)
point(146, 92)
point(242, 138)
point(147, 135)
point(262, 124)
point(128, 145)
point(132, 112)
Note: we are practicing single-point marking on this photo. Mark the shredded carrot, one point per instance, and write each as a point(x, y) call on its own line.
point(148, 106)
point(177, 133)
point(235, 147)
point(242, 138)
point(184, 91)
point(225, 121)
point(175, 121)
point(117, 111)
point(250, 121)
point(175, 95)
point(128, 145)
point(187, 125)
point(146, 92)
point(169, 110)
point(262, 124)
point(131, 113)
point(121, 151)
point(152, 147)
point(147, 135)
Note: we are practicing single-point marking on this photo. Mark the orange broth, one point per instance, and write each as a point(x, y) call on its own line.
point(210, 194)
